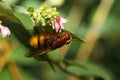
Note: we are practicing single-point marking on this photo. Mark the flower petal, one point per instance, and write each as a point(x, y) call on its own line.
point(57, 25)
point(63, 20)
point(5, 31)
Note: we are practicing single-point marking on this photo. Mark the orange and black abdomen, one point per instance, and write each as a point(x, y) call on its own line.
point(45, 42)
point(41, 40)
point(52, 41)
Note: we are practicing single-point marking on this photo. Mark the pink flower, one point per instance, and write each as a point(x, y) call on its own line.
point(5, 31)
point(57, 25)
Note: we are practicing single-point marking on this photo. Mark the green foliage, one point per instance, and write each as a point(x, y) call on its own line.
point(87, 70)
point(49, 29)
point(98, 71)
point(25, 20)
point(19, 32)
point(78, 71)
point(54, 56)
point(6, 10)
point(5, 74)
point(75, 36)
point(18, 55)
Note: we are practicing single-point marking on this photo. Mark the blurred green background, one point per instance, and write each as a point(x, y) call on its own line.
point(86, 18)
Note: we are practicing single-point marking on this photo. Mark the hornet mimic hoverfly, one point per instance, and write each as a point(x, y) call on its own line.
point(45, 42)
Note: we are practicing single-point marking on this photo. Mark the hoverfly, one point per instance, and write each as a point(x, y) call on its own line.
point(45, 42)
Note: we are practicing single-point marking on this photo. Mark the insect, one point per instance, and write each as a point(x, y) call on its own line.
point(45, 42)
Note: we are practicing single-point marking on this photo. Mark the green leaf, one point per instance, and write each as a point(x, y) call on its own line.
point(92, 69)
point(27, 74)
point(54, 56)
point(5, 74)
point(19, 32)
point(6, 10)
point(49, 29)
point(19, 9)
point(75, 37)
point(25, 20)
point(45, 57)
point(78, 71)
point(98, 71)
point(18, 55)
point(69, 62)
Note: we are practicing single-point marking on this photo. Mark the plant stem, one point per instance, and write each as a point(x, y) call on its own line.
point(14, 70)
point(5, 48)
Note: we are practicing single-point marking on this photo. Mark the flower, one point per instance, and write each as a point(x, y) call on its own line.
point(43, 15)
point(46, 16)
point(4, 31)
point(57, 25)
